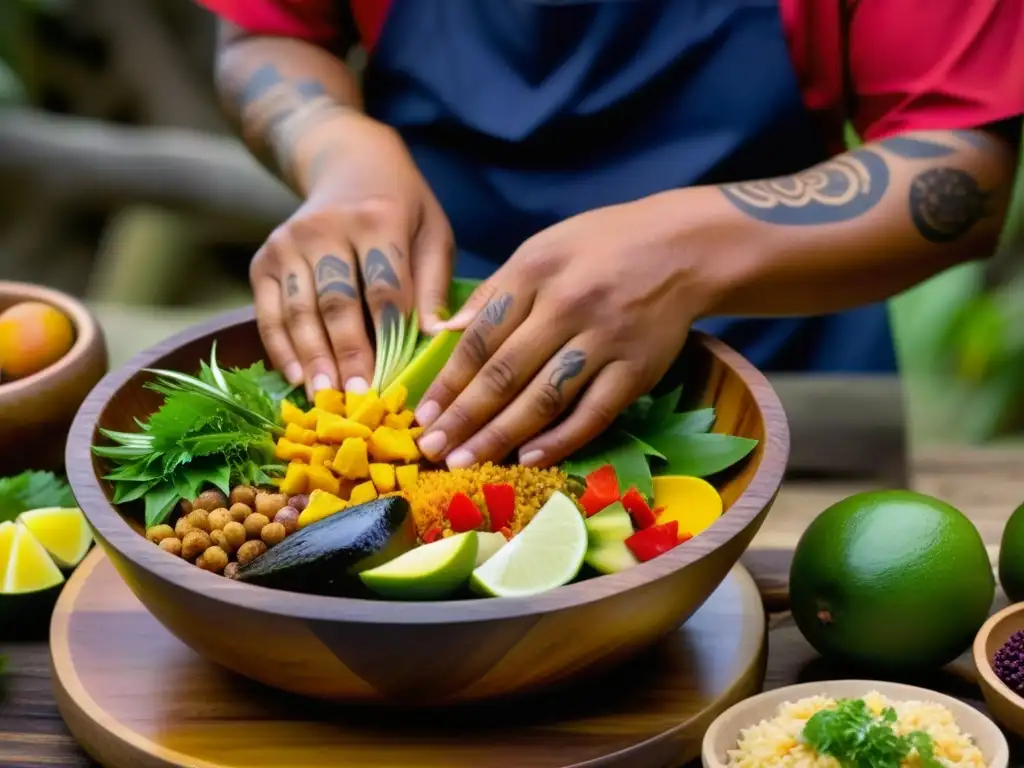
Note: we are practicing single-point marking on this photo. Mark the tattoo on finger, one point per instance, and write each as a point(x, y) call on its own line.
point(496, 309)
point(334, 276)
point(377, 269)
point(291, 285)
point(570, 365)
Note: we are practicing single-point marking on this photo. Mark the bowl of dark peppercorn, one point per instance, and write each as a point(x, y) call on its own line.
point(999, 658)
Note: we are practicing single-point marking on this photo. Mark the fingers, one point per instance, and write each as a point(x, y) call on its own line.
point(341, 307)
point(612, 390)
point(543, 400)
point(433, 253)
point(387, 278)
point(270, 323)
point(305, 328)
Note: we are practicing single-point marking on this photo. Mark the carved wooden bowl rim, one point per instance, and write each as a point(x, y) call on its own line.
point(116, 531)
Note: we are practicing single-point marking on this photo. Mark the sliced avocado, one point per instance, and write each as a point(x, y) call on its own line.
point(611, 557)
point(326, 556)
point(611, 524)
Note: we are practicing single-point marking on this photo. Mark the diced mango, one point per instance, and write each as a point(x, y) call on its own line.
point(394, 398)
point(407, 475)
point(383, 477)
point(299, 434)
point(351, 461)
point(370, 411)
point(332, 428)
point(323, 455)
point(322, 479)
point(415, 432)
point(292, 414)
point(330, 400)
point(287, 450)
point(353, 401)
point(362, 493)
point(387, 444)
point(402, 420)
point(295, 479)
point(321, 504)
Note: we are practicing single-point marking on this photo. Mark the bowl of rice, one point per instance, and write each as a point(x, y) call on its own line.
point(768, 730)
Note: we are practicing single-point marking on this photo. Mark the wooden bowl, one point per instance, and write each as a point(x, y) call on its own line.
point(36, 411)
point(1005, 705)
point(725, 731)
point(440, 652)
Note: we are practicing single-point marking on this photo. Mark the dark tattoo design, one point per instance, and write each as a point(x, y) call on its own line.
point(945, 203)
point(569, 366)
point(839, 189)
point(377, 269)
point(916, 149)
point(334, 276)
point(977, 139)
point(497, 309)
point(291, 285)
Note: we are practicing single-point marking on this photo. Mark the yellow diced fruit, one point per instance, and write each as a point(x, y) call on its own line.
point(287, 450)
point(401, 420)
point(292, 414)
point(387, 444)
point(322, 479)
point(394, 398)
point(336, 429)
point(330, 400)
point(321, 504)
point(295, 479)
point(299, 434)
point(323, 455)
point(351, 461)
point(352, 403)
point(407, 475)
point(415, 432)
point(370, 411)
point(362, 493)
point(383, 477)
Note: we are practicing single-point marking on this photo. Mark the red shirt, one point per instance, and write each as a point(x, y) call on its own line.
point(915, 64)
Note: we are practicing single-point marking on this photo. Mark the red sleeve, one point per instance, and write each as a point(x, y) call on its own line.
point(313, 20)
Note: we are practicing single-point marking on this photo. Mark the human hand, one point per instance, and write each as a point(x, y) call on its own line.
point(595, 308)
point(370, 229)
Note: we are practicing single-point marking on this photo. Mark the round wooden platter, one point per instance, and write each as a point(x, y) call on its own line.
point(136, 697)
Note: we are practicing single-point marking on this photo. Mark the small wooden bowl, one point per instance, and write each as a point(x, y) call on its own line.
point(724, 732)
point(428, 653)
point(36, 412)
point(1005, 705)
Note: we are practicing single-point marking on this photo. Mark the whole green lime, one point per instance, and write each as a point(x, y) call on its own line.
point(1011, 556)
point(891, 580)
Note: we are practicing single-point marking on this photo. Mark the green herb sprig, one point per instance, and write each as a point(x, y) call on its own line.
point(32, 490)
point(397, 340)
point(856, 738)
point(216, 429)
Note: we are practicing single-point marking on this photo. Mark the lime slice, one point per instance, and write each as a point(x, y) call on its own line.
point(546, 554)
point(63, 531)
point(7, 533)
point(428, 572)
point(611, 524)
point(610, 557)
point(490, 543)
point(30, 568)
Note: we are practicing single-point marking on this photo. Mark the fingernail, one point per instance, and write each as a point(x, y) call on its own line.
point(531, 458)
point(432, 444)
point(357, 385)
point(427, 413)
point(460, 458)
point(320, 381)
point(293, 372)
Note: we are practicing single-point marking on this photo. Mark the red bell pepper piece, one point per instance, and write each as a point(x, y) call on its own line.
point(432, 535)
point(636, 505)
point(656, 540)
point(463, 514)
point(602, 490)
point(501, 504)
point(507, 533)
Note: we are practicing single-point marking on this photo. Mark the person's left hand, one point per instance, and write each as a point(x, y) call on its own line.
point(596, 307)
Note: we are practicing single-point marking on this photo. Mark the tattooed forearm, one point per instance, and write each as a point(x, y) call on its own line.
point(945, 203)
point(569, 366)
point(377, 269)
point(334, 276)
point(915, 149)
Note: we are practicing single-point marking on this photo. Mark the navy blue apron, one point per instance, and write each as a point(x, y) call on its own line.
point(521, 113)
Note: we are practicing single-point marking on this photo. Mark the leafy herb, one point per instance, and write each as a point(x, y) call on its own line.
point(32, 490)
point(216, 429)
point(856, 738)
point(396, 344)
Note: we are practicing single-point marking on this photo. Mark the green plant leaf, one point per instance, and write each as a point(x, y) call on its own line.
point(648, 449)
point(700, 455)
point(160, 501)
point(688, 423)
point(623, 452)
point(33, 490)
point(663, 406)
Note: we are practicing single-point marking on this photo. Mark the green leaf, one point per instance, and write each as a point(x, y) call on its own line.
point(688, 423)
point(33, 490)
point(700, 455)
point(160, 501)
point(623, 452)
point(126, 492)
point(664, 406)
point(649, 450)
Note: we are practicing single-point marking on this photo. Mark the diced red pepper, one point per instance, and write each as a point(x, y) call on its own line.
point(463, 514)
point(602, 490)
point(685, 537)
point(656, 540)
point(636, 505)
point(507, 533)
point(501, 504)
point(432, 535)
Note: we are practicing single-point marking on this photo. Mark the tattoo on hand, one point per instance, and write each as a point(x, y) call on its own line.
point(569, 366)
point(916, 148)
point(945, 203)
point(496, 309)
point(839, 189)
point(334, 276)
point(377, 269)
point(390, 317)
point(291, 285)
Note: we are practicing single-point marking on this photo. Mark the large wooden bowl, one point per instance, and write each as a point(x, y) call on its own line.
point(36, 411)
point(427, 653)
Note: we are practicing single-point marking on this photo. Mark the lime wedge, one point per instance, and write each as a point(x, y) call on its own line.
point(63, 531)
point(490, 543)
point(29, 568)
point(611, 524)
point(610, 557)
point(428, 572)
point(546, 554)
point(7, 533)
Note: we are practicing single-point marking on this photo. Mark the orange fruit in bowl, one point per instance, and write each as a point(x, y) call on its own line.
point(33, 336)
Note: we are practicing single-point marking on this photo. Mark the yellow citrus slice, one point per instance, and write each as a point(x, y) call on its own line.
point(29, 568)
point(693, 502)
point(63, 531)
point(7, 532)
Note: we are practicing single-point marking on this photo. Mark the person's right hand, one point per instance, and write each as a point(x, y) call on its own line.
point(370, 230)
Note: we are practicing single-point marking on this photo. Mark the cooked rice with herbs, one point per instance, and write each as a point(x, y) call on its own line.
point(429, 498)
point(777, 743)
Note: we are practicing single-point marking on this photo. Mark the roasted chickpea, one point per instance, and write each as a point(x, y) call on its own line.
point(273, 533)
point(213, 559)
point(269, 504)
point(158, 533)
point(210, 500)
point(299, 501)
point(250, 551)
point(243, 494)
point(234, 534)
point(171, 545)
point(289, 518)
point(182, 527)
point(219, 518)
point(195, 543)
point(254, 524)
point(185, 506)
point(199, 519)
point(240, 511)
